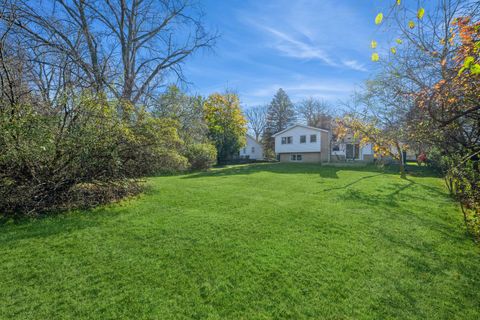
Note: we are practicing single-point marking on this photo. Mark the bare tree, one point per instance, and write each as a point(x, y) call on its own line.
point(315, 113)
point(257, 120)
point(124, 48)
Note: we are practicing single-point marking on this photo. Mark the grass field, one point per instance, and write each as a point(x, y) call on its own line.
point(267, 241)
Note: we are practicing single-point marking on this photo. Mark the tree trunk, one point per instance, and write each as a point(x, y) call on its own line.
point(402, 162)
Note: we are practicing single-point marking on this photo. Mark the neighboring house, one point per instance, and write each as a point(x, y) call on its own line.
point(252, 150)
point(350, 148)
point(300, 143)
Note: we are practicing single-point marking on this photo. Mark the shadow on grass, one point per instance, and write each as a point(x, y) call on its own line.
point(325, 171)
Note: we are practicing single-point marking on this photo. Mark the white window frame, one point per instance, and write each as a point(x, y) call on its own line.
point(304, 136)
point(311, 136)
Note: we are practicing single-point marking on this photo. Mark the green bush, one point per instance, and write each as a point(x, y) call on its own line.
point(201, 156)
point(83, 155)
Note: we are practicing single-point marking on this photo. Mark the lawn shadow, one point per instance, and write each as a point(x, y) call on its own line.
point(325, 171)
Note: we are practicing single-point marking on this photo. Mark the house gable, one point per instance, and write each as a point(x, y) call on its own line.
point(299, 138)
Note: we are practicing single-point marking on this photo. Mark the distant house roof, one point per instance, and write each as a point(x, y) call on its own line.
point(299, 125)
point(251, 137)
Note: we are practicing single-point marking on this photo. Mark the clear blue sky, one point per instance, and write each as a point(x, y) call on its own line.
point(316, 48)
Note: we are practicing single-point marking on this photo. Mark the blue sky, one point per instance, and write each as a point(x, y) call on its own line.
point(317, 48)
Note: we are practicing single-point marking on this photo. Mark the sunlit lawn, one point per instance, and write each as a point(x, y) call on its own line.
point(267, 241)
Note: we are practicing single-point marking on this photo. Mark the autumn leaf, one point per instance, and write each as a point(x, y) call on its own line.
point(375, 57)
point(420, 13)
point(399, 2)
point(411, 24)
point(393, 50)
point(399, 41)
point(373, 44)
point(379, 18)
point(475, 69)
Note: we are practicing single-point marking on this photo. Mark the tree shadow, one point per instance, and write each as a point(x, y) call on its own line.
point(353, 182)
point(325, 171)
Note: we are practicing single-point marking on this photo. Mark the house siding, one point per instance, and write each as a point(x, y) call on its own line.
point(247, 150)
point(311, 157)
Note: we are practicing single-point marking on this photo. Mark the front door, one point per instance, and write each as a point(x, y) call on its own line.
point(352, 151)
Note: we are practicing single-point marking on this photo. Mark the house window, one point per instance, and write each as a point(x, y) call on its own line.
point(303, 139)
point(244, 150)
point(253, 149)
point(336, 147)
point(296, 157)
point(313, 138)
point(287, 140)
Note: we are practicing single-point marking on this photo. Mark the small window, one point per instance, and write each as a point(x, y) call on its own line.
point(284, 140)
point(336, 147)
point(296, 157)
point(289, 140)
point(253, 149)
point(303, 139)
point(313, 138)
point(244, 150)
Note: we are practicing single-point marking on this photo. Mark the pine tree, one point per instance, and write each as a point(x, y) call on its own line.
point(280, 115)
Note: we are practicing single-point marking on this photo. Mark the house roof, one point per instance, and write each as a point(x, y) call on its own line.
point(299, 125)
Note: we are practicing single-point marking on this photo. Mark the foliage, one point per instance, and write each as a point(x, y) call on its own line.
point(48, 158)
point(437, 69)
point(226, 124)
point(201, 156)
point(186, 110)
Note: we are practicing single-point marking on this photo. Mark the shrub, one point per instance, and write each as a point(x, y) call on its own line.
point(83, 155)
point(201, 156)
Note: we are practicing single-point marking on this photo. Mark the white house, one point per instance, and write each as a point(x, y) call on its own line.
point(252, 150)
point(350, 148)
point(300, 143)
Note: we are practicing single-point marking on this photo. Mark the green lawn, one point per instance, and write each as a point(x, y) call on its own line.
point(267, 241)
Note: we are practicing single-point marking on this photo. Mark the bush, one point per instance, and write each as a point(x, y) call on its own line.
point(201, 156)
point(83, 155)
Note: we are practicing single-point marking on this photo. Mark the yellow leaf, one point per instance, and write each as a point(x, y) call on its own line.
point(420, 13)
point(411, 24)
point(375, 57)
point(373, 44)
point(398, 2)
point(393, 50)
point(379, 18)
point(399, 41)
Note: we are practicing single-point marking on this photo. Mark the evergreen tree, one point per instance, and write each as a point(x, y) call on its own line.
point(280, 115)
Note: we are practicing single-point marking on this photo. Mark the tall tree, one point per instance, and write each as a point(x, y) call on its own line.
point(257, 120)
point(125, 48)
point(280, 115)
point(226, 124)
point(315, 113)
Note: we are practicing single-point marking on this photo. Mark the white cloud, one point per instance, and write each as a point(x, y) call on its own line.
point(312, 30)
point(295, 48)
point(355, 65)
